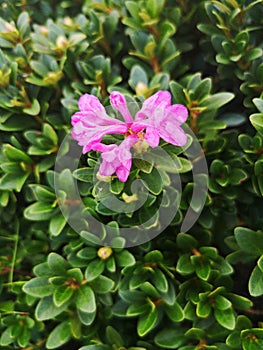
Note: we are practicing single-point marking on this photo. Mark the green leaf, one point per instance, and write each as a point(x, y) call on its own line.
point(153, 181)
point(84, 174)
point(85, 317)
point(150, 290)
point(137, 75)
point(85, 299)
point(137, 309)
point(13, 123)
point(38, 287)
point(59, 335)
point(50, 133)
point(34, 109)
point(143, 165)
point(203, 309)
point(202, 267)
point(258, 102)
point(96, 347)
point(116, 186)
point(202, 89)
point(222, 303)
point(6, 337)
point(174, 312)
point(39, 211)
point(154, 256)
point(170, 338)
point(257, 121)
point(62, 294)
point(57, 263)
point(46, 309)
point(56, 225)
point(260, 263)
point(159, 280)
point(43, 193)
point(255, 284)
point(7, 306)
point(217, 100)
point(225, 318)
point(125, 258)
point(90, 237)
point(94, 269)
point(250, 241)
point(113, 337)
point(178, 93)
point(147, 322)
point(102, 284)
point(111, 264)
point(184, 265)
point(24, 337)
point(239, 302)
point(185, 241)
point(237, 176)
point(13, 181)
point(75, 274)
point(233, 119)
point(16, 155)
point(252, 339)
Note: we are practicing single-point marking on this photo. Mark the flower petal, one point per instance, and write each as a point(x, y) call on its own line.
point(90, 136)
point(118, 102)
point(117, 158)
point(177, 112)
point(106, 168)
point(160, 100)
point(89, 102)
point(173, 134)
point(123, 173)
point(152, 137)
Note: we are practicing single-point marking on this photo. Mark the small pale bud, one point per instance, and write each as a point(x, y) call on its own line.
point(103, 178)
point(61, 42)
point(129, 199)
point(141, 89)
point(67, 21)
point(43, 30)
point(104, 252)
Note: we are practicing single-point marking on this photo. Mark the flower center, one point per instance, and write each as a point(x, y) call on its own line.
point(140, 134)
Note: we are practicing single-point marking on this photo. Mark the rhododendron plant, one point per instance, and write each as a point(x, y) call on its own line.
point(156, 119)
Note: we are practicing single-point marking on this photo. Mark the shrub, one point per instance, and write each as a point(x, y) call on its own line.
point(195, 284)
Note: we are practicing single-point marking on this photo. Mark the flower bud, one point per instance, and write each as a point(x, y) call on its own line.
point(104, 252)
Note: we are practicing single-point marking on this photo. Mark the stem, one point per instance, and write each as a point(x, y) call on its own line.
point(193, 122)
point(16, 238)
point(155, 65)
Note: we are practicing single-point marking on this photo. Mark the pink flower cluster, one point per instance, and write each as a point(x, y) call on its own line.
point(157, 118)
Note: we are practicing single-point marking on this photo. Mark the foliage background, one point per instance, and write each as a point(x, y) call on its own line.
point(196, 290)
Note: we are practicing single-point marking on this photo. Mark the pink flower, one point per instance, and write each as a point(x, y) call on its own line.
point(160, 100)
point(91, 123)
point(157, 118)
point(118, 102)
point(116, 158)
point(160, 119)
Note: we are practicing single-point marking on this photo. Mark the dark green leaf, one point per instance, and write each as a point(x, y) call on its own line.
point(85, 299)
point(255, 284)
point(225, 318)
point(38, 287)
point(147, 322)
point(174, 312)
point(62, 295)
point(250, 241)
point(46, 309)
point(94, 269)
point(170, 338)
point(59, 335)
